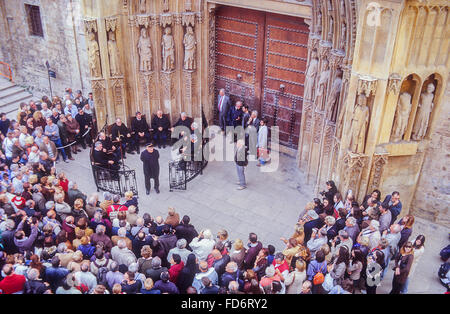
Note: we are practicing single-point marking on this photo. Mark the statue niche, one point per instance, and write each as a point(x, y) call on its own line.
point(322, 85)
point(401, 116)
point(359, 126)
point(423, 113)
point(190, 47)
point(145, 51)
point(168, 50)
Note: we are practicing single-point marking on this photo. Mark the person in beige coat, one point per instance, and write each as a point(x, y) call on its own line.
point(294, 280)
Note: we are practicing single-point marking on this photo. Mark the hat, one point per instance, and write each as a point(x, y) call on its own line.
point(149, 145)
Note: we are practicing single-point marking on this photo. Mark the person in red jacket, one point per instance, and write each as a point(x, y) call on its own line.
point(176, 268)
point(12, 283)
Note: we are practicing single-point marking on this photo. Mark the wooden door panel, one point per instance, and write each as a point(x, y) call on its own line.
point(286, 53)
point(239, 52)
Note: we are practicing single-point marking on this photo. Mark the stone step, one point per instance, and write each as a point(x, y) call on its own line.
point(15, 98)
point(11, 91)
point(5, 84)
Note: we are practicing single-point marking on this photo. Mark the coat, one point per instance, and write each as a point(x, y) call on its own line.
point(225, 105)
point(404, 263)
point(43, 148)
point(294, 281)
point(250, 255)
point(150, 163)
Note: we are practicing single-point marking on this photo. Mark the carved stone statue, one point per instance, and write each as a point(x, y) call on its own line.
point(168, 50)
point(423, 113)
point(142, 6)
point(360, 122)
point(94, 56)
point(190, 47)
point(322, 85)
point(113, 51)
point(145, 51)
point(188, 5)
point(333, 97)
point(165, 5)
point(319, 22)
point(401, 116)
point(311, 75)
point(343, 38)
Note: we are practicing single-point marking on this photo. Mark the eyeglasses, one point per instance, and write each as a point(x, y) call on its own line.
point(408, 247)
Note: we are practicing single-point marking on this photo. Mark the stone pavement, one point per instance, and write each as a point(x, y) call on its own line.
point(270, 206)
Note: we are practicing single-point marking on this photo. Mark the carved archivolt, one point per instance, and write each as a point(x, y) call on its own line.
point(378, 164)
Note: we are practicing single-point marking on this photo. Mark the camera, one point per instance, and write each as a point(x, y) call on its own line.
point(322, 193)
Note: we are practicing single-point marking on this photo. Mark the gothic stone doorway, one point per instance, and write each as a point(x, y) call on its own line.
point(257, 54)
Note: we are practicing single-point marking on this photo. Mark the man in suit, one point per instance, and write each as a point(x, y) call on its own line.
point(150, 158)
point(223, 106)
point(140, 129)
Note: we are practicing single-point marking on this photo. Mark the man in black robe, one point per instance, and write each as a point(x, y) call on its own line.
point(121, 134)
point(108, 147)
point(160, 126)
point(140, 130)
point(150, 157)
point(102, 159)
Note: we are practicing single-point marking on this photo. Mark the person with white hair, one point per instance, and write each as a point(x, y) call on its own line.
point(241, 160)
point(205, 271)
point(122, 254)
point(33, 157)
point(34, 284)
point(161, 126)
point(203, 244)
point(373, 233)
point(84, 276)
point(140, 227)
point(352, 228)
point(318, 238)
point(181, 250)
point(183, 121)
point(74, 193)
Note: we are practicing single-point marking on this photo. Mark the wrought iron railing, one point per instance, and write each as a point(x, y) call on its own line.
point(115, 181)
point(182, 171)
point(5, 70)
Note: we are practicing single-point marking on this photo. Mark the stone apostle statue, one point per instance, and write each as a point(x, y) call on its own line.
point(311, 75)
point(142, 6)
point(113, 51)
point(401, 116)
point(189, 49)
point(168, 50)
point(333, 97)
point(323, 83)
point(360, 122)
point(423, 113)
point(145, 51)
point(94, 56)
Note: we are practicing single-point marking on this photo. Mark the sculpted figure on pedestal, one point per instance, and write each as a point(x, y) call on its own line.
point(401, 116)
point(190, 43)
point(322, 86)
point(113, 51)
point(94, 56)
point(310, 78)
point(423, 113)
point(168, 50)
point(145, 51)
point(360, 122)
point(333, 97)
point(142, 6)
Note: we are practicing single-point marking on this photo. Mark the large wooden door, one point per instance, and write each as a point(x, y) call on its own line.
point(261, 59)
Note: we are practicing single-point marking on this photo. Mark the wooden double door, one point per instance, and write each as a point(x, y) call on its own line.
point(261, 60)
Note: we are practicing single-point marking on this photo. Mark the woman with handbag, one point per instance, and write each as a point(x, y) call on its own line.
point(403, 263)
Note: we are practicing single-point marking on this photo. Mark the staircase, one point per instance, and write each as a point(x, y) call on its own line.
point(11, 96)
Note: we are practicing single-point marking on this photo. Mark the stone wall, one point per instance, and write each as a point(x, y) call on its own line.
point(432, 198)
point(63, 45)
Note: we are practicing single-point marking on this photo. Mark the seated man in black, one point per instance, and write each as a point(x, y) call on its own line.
point(183, 121)
point(160, 126)
point(102, 159)
point(121, 134)
point(140, 129)
point(108, 147)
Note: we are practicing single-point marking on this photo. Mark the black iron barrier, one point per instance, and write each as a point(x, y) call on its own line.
point(182, 171)
point(115, 181)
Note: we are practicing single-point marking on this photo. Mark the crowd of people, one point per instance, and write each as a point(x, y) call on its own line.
point(55, 239)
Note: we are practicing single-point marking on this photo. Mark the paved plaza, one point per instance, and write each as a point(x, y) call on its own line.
point(270, 206)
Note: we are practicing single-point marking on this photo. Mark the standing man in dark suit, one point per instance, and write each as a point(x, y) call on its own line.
point(223, 106)
point(140, 129)
point(150, 158)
